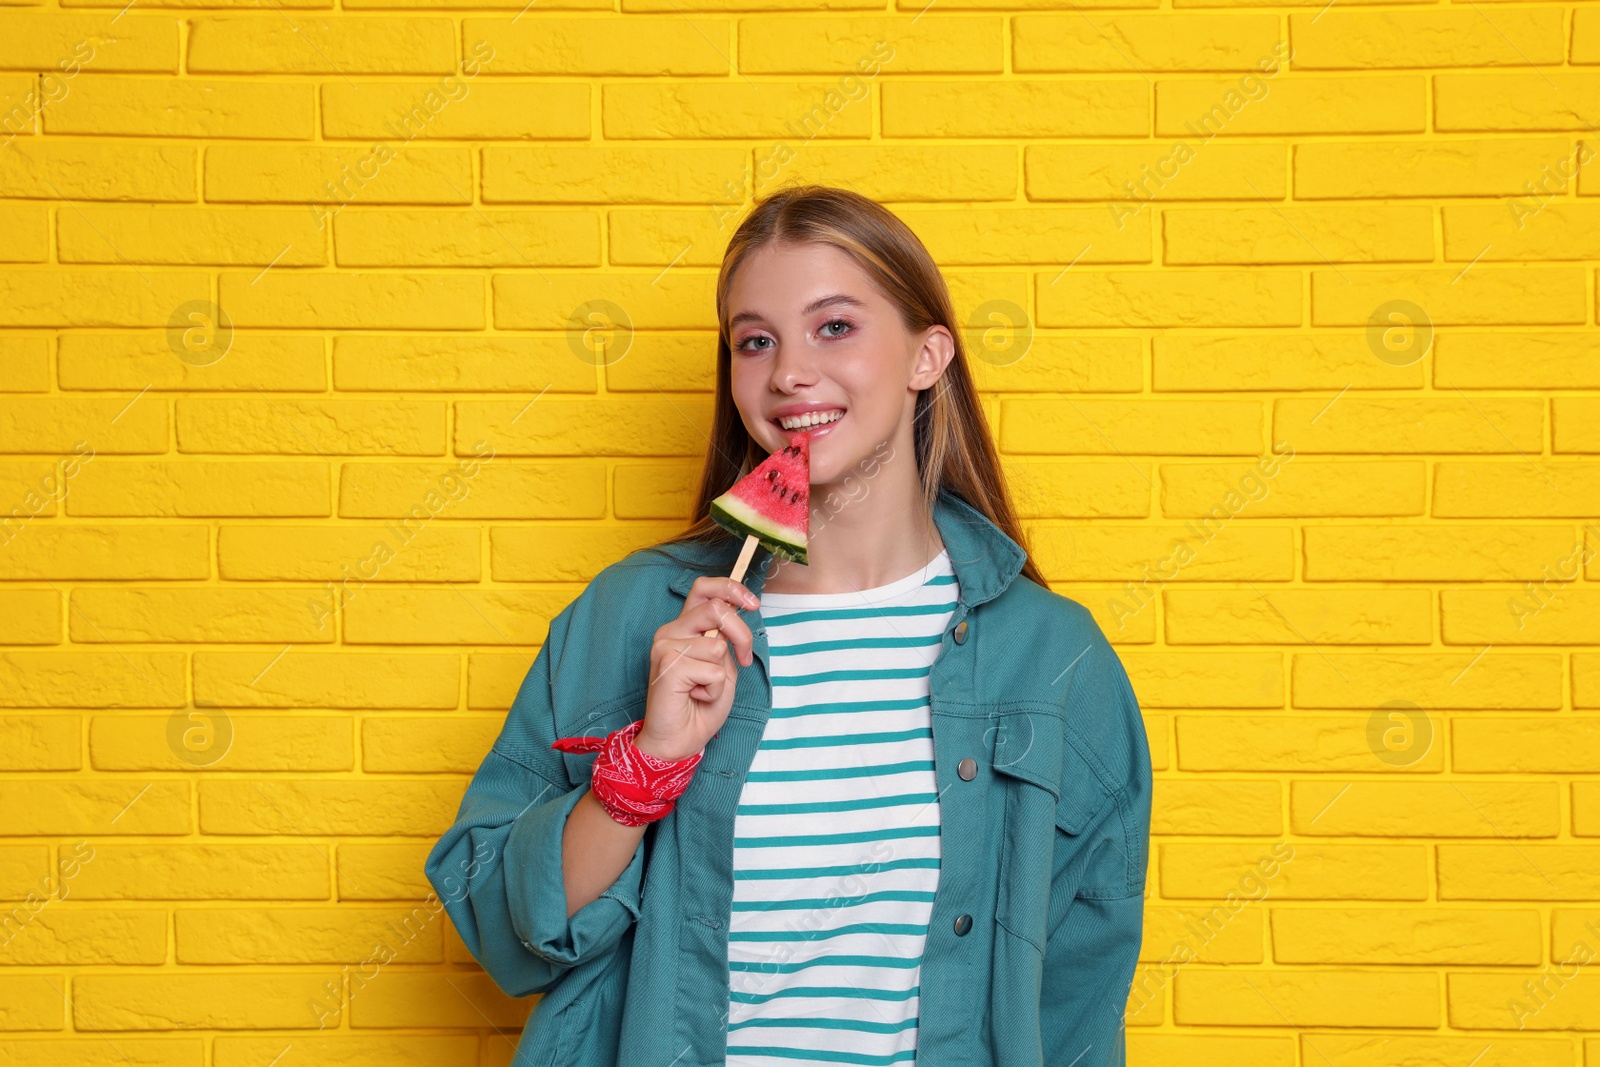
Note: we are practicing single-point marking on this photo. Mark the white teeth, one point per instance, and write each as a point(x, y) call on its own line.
point(800, 422)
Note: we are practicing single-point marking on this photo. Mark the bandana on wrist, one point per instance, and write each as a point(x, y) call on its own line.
point(634, 787)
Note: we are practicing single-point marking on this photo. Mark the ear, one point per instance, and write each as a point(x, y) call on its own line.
point(936, 351)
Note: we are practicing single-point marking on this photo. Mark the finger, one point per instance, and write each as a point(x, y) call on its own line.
point(726, 588)
point(697, 658)
point(719, 614)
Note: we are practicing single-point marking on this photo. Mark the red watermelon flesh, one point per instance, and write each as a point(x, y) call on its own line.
point(773, 501)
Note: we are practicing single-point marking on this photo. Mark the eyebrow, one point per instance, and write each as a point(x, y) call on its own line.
point(837, 299)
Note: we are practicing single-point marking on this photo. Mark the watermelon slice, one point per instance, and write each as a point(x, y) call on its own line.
point(773, 502)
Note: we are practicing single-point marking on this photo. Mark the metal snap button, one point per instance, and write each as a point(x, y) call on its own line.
point(967, 769)
point(960, 633)
point(963, 924)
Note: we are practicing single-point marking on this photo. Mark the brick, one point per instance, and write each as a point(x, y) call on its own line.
point(456, 745)
point(1434, 552)
point(1313, 871)
point(1542, 613)
point(1213, 679)
point(477, 364)
point(1216, 935)
point(59, 298)
point(201, 488)
point(47, 170)
point(456, 108)
point(1417, 935)
point(24, 359)
point(1106, 427)
point(64, 425)
point(134, 361)
point(905, 173)
point(1506, 491)
point(399, 1050)
point(1438, 680)
point(1051, 361)
point(567, 553)
point(87, 936)
point(190, 236)
point(91, 679)
point(326, 679)
point(653, 490)
point(1574, 430)
point(40, 742)
point(1143, 43)
point(30, 617)
point(1523, 295)
point(1262, 362)
point(494, 238)
point(254, 742)
point(1521, 871)
point(1046, 488)
point(1134, 173)
point(1237, 808)
point(27, 228)
point(170, 1001)
point(1292, 616)
point(1191, 552)
point(493, 678)
point(205, 872)
point(1425, 809)
point(389, 616)
point(994, 236)
point(98, 1052)
point(24, 869)
point(1396, 233)
point(1521, 230)
point(1585, 37)
point(192, 615)
point(1367, 40)
point(501, 490)
point(43, 41)
point(183, 108)
point(1525, 745)
point(724, 109)
point(348, 44)
point(364, 174)
point(308, 806)
point(1019, 108)
point(354, 554)
point(1567, 999)
point(1256, 106)
point(390, 301)
point(1388, 1050)
point(620, 174)
point(309, 935)
point(105, 806)
point(1568, 928)
point(1306, 998)
point(32, 1002)
point(604, 46)
point(1414, 424)
point(1302, 743)
point(1304, 487)
point(774, 44)
point(320, 427)
point(653, 426)
point(1175, 298)
point(667, 237)
point(1203, 1049)
point(1585, 809)
point(383, 872)
point(437, 1000)
point(1550, 100)
point(1398, 169)
point(91, 552)
point(674, 301)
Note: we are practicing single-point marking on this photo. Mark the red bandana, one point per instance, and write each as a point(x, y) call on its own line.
point(633, 786)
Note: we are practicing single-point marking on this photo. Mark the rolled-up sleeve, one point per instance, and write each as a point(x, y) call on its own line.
point(497, 870)
point(1096, 920)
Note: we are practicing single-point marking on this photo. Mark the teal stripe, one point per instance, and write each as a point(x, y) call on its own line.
point(856, 1059)
point(850, 707)
point(808, 903)
point(854, 676)
point(836, 614)
point(891, 833)
point(838, 931)
point(842, 992)
point(835, 740)
point(859, 1025)
point(853, 643)
point(816, 774)
point(777, 873)
point(814, 806)
point(897, 963)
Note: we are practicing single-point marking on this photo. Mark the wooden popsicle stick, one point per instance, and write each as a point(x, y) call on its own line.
point(750, 542)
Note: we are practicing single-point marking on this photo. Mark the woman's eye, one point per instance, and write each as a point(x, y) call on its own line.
point(747, 340)
point(836, 322)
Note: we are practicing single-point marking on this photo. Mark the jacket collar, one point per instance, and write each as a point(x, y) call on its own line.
point(984, 558)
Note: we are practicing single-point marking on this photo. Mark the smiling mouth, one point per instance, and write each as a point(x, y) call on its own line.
point(810, 420)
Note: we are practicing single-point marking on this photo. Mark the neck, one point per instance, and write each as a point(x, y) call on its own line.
point(874, 534)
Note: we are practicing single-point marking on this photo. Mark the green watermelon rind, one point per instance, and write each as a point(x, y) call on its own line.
point(739, 518)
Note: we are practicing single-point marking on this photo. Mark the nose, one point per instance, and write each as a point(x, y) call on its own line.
point(792, 368)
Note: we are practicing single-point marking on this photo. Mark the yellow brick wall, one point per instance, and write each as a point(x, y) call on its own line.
point(1285, 318)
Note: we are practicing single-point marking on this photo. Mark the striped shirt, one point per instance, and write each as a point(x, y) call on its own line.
point(836, 836)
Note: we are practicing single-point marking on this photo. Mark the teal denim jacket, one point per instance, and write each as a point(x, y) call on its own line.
point(1044, 783)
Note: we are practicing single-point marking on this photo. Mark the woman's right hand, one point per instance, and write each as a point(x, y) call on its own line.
point(692, 676)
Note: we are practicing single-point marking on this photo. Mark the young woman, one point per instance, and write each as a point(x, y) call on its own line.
point(897, 806)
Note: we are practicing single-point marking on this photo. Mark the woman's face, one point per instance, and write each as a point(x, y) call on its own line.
point(809, 332)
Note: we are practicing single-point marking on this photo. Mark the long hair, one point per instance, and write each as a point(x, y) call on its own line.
point(954, 450)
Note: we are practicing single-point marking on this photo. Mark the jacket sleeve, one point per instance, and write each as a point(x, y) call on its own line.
point(497, 871)
point(1096, 921)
